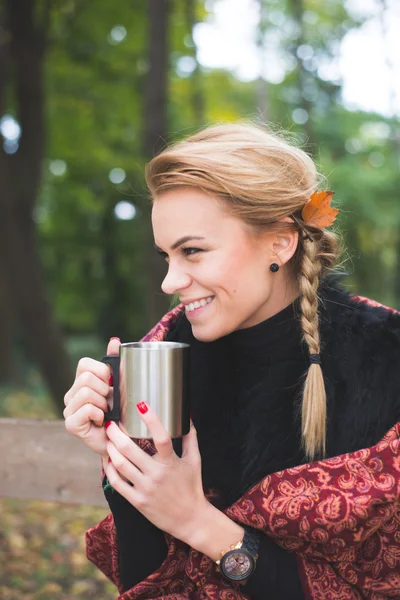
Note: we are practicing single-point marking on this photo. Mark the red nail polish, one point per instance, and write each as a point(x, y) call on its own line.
point(115, 338)
point(109, 459)
point(142, 406)
point(107, 424)
point(111, 380)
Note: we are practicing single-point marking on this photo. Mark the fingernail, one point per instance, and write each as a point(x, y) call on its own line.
point(109, 459)
point(115, 338)
point(107, 424)
point(142, 406)
point(111, 380)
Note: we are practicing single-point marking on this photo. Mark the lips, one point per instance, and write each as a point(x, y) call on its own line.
point(197, 304)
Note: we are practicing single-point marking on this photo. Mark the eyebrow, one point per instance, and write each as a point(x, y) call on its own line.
point(182, 240)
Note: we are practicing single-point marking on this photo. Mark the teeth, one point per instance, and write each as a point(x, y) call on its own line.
point(199, 303)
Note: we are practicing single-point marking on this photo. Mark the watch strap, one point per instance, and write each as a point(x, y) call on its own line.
point(251, 541)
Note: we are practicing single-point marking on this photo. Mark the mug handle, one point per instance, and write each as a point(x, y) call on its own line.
point(115, 413)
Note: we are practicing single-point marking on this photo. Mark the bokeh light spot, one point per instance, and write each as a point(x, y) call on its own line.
point(10, 146)
point(305, 52)
point(117, 175)
point(353, 145)
point(300, 116)
point(185, 66)
point(58, 167)
point(9, 128)
point(376, 159)
point(117, 34)
point(125, 210)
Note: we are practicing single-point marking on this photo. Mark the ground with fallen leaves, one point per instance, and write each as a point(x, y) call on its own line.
point(42, 544)
point(42, 552)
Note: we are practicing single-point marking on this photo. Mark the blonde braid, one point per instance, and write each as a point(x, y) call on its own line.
point(314, 395)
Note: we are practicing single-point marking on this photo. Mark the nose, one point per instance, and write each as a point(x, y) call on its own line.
point(175, 280)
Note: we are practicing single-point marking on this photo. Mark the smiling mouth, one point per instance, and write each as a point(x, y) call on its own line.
point(195, 307)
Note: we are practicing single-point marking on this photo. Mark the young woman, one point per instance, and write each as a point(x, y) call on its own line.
point(288, 371)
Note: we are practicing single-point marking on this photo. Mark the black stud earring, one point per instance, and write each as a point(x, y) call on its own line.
point(274, 267)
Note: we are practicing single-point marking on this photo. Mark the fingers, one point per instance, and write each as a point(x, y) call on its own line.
point(85, 395)
point(86, 401)
point(128, 448)
point(87, 368)
point(90, 380)
point(125, 467)
point(93, 366)
point(113, 346)
point(119, 484)
point(80, 422)
point(161, 438)
point(190, 446)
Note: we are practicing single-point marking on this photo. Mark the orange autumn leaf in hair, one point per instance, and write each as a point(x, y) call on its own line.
point(318, 211)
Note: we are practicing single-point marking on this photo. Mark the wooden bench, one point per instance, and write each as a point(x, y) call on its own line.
point(40, 460)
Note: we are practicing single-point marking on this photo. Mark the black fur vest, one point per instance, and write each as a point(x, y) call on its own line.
point(256, 430)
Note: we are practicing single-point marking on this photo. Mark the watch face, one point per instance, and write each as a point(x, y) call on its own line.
point(237, 564)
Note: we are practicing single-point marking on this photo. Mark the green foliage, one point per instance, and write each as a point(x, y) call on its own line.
point(96, 264)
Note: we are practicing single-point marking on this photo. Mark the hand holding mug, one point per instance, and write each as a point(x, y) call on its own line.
point(165, 488)
point(86, 401)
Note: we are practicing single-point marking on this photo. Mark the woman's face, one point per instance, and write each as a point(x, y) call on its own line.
point(217, 265)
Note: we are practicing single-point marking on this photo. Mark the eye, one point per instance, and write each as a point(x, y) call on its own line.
point(190, 251)
point(186, 252)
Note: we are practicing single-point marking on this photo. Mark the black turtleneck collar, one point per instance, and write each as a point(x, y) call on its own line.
point(277, 339)
point(271, 331)
point(244, 390)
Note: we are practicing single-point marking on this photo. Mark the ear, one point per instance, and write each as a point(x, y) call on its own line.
point(284, 243)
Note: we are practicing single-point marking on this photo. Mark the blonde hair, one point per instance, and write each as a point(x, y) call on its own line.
point(263, 178)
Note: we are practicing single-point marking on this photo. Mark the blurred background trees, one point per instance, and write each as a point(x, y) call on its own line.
point(88, 93)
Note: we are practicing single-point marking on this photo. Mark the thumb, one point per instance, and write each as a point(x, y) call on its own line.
point(190, 446)
point(112, 349)
point(113, 346)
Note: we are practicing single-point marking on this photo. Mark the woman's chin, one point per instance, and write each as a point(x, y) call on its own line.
point(204, 333)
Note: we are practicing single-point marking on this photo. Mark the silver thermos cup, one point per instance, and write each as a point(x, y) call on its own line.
point(156, 373)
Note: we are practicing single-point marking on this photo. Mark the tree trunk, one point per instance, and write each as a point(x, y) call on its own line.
point(7, 364)
point(42, 335)
point(20, 176)
point(155, 133)
point(297, 9)
point(8, 368)
point(197, 96)
point(262, 96)
point(384, 17)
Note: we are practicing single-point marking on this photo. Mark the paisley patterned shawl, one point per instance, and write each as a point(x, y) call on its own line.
point(341, 516)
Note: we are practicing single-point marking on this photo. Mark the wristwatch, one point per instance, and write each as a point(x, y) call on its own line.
point(239, 562)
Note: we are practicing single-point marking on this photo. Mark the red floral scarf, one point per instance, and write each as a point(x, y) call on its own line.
point(340, 516)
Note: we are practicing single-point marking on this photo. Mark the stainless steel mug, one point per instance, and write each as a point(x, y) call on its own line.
point(158, 374)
